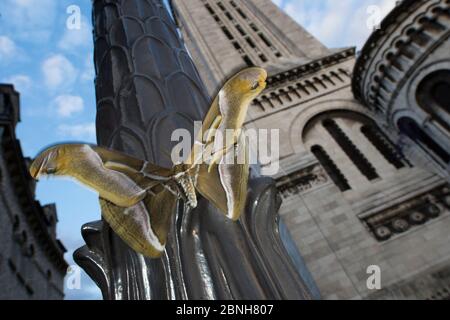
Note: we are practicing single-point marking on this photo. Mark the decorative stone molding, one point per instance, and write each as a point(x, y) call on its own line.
point(298, 89)
point(23, 186)
point(310, 68)
point(9, 105)
point(391, 55)
point(309, 112)
point(33, 210)
point(409, 214)
point(301, 181)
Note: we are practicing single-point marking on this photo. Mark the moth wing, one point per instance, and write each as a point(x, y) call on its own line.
point(145, 226)
point(212, 118)
point(208, 184)
point(234, 178)
point(227, 183)
point(143, 173)
point(84, 164)
point(108, 155)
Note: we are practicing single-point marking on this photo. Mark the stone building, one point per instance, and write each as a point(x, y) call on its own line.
point(360, 186)
point(403, 76)
point(31, 257)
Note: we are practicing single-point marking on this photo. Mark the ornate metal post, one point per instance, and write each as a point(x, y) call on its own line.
point(147, 86)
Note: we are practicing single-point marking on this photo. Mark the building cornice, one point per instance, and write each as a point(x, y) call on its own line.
point(311, 67)
point(303, 83)
point(33, 211)
point(23, 184)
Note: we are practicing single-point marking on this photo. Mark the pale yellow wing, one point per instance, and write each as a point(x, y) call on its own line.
point(212, 119)
point(226, 184)
point(145, 226)
point(84, 164)
point(234, 180)
point(137, 198)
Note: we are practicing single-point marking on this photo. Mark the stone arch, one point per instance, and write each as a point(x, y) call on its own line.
point(433, 97)
point(351, 147)
point(298, 124)
point(424, 140)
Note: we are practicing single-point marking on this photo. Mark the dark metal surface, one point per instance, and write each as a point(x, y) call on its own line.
point(147, 86)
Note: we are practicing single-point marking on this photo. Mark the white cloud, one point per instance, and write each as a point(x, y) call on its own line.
point(21, 82)
point(72, 39)
point(278, 2)
point(8, 48)
point(78, 131)
point(67, 105)
point(337, 23)
point(58, 72)
point(29, 20)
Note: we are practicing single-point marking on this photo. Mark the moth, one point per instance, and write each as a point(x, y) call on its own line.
point(138, 198)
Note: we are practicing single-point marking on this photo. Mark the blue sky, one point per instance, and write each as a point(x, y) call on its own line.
point(51, 66)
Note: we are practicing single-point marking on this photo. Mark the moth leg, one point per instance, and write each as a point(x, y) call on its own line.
point(217, 156)
point(214, 126)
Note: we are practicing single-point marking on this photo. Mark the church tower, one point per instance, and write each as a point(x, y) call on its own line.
point(354, 204)
point(225, 36)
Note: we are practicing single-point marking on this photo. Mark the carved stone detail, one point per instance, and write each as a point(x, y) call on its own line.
point(409, 214)
point(408, 35)
point(301, 181)
point(306, 82)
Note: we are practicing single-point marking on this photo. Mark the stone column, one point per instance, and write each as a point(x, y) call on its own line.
point(146, 87)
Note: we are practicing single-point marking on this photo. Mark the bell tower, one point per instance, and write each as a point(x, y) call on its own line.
point(224, 36)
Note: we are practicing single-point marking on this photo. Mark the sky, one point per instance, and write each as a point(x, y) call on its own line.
point(48, 58)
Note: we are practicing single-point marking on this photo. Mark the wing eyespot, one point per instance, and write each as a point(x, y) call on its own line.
point(255, 86)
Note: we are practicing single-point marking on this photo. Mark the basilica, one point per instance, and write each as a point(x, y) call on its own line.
point(364, 138)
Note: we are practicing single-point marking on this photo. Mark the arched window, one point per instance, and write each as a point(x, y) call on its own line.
point(433, 96)
point(359, 160)
point(331, 168)
point(409, 127)
point(383, 145)
point(351, 148)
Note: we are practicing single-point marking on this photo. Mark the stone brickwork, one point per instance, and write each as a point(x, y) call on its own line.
point(31, 257)
point(351, 198)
